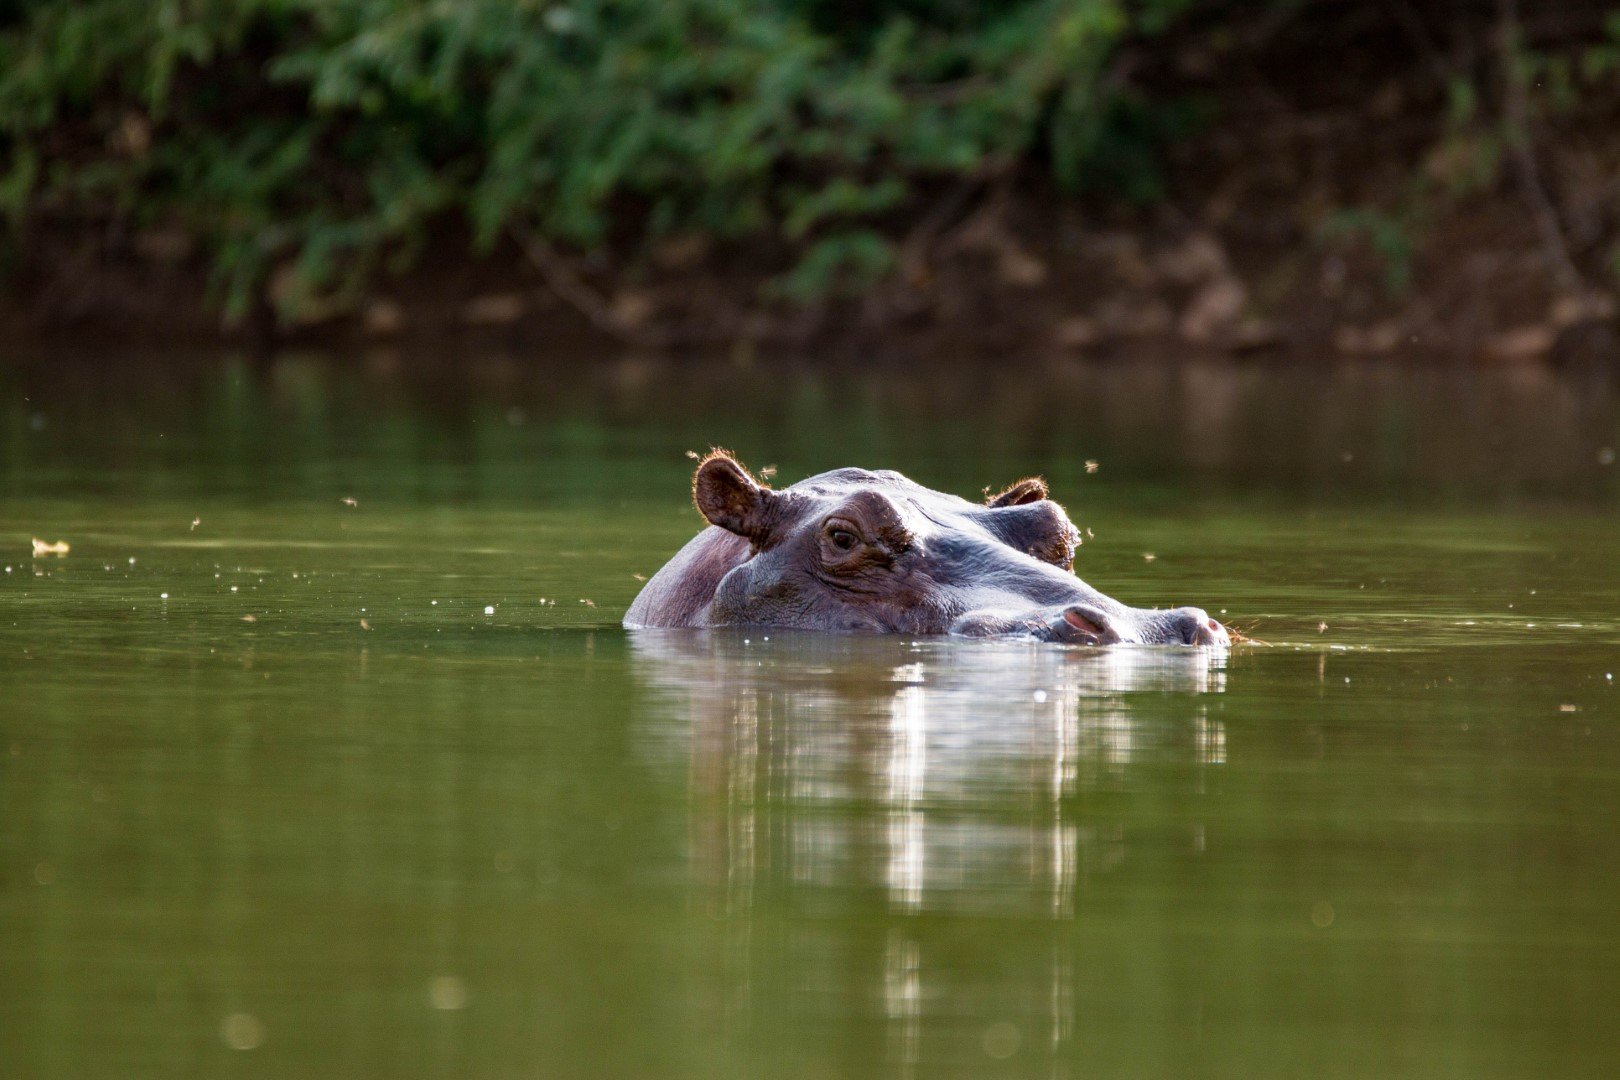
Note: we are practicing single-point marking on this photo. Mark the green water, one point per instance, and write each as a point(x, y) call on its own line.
point(293, 786)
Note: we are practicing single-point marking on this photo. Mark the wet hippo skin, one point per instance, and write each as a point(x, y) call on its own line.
point(854, 551)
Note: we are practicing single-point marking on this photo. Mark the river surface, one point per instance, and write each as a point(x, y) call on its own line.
point(322, 753)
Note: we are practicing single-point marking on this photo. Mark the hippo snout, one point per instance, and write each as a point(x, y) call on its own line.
point(1089, 624)
point(1194, 626)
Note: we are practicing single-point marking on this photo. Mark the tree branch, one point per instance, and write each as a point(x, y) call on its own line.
point(1521, 148)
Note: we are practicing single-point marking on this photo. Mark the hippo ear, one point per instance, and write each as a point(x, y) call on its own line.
point(729, 497)
point(1028, 490)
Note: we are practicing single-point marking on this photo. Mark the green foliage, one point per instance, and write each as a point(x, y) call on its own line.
point(844, 263)
point(314, 142)
point(1390, 237)
point(1492, 112)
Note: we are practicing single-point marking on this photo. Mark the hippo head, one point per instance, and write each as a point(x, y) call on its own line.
point(853, 550)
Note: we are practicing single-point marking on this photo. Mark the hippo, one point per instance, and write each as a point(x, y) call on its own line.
point(858, 551)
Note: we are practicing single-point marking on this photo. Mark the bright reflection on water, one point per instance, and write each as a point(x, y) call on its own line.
point(932, 737)
point(934, 781)
point(294, 786)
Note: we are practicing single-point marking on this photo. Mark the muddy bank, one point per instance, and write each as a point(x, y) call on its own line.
point(1023, 276)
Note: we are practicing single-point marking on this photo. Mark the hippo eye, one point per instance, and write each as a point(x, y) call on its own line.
point(843, 539)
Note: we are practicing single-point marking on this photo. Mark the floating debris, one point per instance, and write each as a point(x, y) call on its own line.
point(61, 547)
point(194, 523)
point(1148, 556)
point(767, 472)
point(447, 992)
point(250, 618)
point(638, 577)
point(349, 501)
point(489, 609)
point(693, 454)
point(1321, 628)
point(364, 625)
point(588, 603)
point(1092, 466)
point(242, 1031)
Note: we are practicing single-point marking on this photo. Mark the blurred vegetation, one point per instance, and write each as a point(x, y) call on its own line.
point(317, 141)
point(298, 148)
point(1496, 94)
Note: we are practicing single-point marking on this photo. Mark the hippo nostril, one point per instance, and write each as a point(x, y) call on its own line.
point(1210, 632)
point(1194, 626)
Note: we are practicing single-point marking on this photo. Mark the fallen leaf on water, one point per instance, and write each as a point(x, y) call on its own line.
point(638, 577)
point(61, 547)
point(364, 625)
point(250, 618)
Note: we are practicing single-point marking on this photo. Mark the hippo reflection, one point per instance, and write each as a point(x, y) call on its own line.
point(1023, 801)
point(873, 552)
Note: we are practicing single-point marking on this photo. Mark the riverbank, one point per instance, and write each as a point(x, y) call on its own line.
point(1019, 277)
point(1436, 199)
